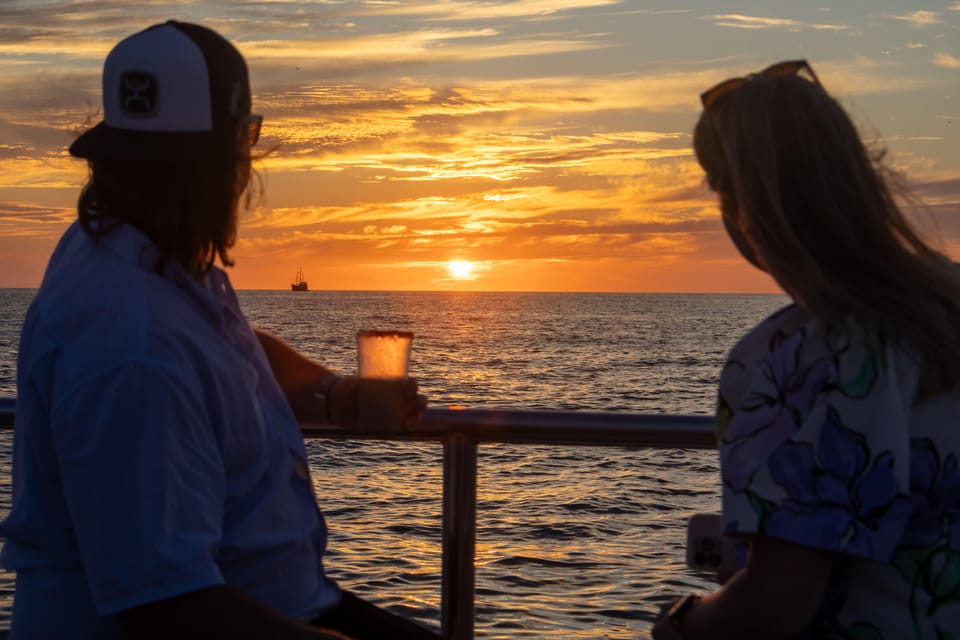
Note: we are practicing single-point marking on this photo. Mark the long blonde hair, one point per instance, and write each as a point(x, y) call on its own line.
point(819, 212)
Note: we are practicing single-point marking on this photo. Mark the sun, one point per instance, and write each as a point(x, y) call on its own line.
point(460, 268)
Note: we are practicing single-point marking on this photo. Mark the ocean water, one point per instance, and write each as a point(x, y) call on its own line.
point(572, 542)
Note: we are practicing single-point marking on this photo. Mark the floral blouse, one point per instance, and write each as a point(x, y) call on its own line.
point(823, 444)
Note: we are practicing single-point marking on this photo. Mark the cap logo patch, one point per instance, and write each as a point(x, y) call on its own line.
point(138, 94)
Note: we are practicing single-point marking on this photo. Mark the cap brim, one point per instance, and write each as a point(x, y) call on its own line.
point(103, 142)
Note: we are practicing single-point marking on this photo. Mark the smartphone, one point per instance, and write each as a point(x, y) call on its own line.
point(708, 549)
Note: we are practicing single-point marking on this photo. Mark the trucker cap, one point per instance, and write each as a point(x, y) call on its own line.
point(172, 90)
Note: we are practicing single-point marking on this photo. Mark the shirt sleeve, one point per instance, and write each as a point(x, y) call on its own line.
point(144, 485)
point(814, 445)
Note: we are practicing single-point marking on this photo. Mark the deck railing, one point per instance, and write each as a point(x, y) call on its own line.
point(461, 431)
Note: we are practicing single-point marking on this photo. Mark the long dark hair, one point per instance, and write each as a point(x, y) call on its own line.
point(819, 213)
point(188, 209)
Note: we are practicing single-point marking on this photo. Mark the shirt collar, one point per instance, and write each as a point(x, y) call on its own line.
point(215, 294)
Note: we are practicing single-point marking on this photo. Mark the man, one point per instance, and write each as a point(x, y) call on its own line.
point(161, 486)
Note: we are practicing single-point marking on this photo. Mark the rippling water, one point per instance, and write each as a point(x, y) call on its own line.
point(572, 542)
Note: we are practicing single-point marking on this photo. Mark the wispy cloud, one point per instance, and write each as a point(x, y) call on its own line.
point(920, 19)
point(462, 11)
point(35, 171)
point(939, 192)
point(28, 220)
point(740, 21)
point(494, 231)
point(386, 51)
point(946, 60)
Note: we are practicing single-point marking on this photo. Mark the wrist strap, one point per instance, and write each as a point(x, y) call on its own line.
point(321, 395)
point(678, 612)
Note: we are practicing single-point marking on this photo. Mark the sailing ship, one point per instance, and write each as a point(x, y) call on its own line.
point(299, 284)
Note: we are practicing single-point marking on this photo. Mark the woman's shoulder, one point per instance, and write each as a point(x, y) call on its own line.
point(822, 354)
point(785, 321)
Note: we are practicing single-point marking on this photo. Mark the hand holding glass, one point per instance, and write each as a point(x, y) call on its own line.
point(382, 390)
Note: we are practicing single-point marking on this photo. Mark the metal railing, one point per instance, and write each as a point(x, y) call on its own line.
point(461, 431)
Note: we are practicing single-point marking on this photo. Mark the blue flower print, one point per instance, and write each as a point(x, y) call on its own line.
point(845, 498)
point(822, 444)
point(771, 414)
point(935, 492)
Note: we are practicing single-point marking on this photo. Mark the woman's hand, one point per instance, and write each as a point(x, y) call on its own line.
point(775, 596)
point(664, 628)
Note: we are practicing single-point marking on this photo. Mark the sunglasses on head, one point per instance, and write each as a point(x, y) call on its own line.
point(786, 68)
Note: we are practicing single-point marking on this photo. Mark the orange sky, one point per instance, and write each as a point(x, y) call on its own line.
point(546, 141)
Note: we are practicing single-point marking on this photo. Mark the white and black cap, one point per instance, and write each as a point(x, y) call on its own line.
point(170, 91)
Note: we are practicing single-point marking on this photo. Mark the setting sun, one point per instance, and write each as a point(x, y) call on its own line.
point(460, 268)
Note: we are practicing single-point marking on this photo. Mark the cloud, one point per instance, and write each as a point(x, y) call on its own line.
point(940, 192)
point(458, 11)
point(27, 220)
point(56, 25)
point(354, 57)
point(946, 60)
point(865, 76)
point(481, 216)
point(569, 239)
point(47, 47)
point(344, 140)
point(38, 171)
point(919, 19)
point(739, 21)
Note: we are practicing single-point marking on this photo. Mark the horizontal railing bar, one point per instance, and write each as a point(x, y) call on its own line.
point(518, 426)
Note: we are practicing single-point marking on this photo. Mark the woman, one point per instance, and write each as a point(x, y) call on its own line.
point(837, 415)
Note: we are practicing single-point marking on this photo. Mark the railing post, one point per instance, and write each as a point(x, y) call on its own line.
point(459, 536)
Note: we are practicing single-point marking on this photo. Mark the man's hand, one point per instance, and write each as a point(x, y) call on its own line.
point(343, 402)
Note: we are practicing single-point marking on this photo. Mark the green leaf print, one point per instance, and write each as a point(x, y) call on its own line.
point(760, 507)
point(722, 420)
point(859, 387)
point(912, 564)
point(862, 631)
point(945, 587)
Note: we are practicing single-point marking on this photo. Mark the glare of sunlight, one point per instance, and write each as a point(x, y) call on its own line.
point(460, 268)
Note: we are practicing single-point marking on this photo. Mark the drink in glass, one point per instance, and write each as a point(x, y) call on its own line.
point(383, 359)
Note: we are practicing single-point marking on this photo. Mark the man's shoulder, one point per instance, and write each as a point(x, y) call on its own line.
point(95, 314)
